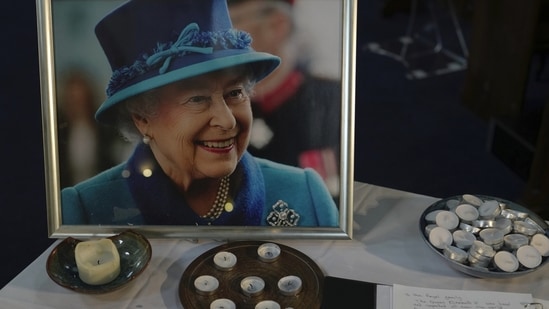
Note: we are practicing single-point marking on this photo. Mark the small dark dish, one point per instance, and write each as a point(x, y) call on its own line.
point(135, 253)
point(290, 262)
point(490, 272)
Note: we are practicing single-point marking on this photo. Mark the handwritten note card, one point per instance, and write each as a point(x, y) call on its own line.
point(405, 297)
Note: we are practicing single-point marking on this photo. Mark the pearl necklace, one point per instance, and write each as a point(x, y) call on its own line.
point(220, 200)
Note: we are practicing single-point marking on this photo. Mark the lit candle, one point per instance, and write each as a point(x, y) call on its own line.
point(98, 261)
point(206, 285)
point(225, 260)
point(268, 252)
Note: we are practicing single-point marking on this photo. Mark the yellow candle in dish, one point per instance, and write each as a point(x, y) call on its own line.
point(98, 261)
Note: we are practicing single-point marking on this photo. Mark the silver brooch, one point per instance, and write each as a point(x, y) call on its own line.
point(282, 215)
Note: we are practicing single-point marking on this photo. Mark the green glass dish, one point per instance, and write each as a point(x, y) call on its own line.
point(135, 254)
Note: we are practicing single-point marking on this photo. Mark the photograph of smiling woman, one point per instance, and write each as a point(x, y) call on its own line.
point(182, 90)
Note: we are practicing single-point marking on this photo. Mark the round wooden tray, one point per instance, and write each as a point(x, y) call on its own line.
point(290, 262)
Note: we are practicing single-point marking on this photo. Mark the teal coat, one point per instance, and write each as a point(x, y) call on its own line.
point(264, 193)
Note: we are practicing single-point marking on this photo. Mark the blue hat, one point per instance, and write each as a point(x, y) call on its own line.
point(151, 43)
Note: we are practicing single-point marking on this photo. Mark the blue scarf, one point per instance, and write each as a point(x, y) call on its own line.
point(161, 202)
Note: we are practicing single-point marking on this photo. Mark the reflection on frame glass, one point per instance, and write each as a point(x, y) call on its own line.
point(226, 129)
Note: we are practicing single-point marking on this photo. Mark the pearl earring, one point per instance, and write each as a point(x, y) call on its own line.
point(146, 139)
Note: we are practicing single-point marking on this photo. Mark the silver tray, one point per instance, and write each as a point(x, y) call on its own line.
point(491, 272)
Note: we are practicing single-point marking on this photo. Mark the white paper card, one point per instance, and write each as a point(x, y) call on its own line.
point(405, 297)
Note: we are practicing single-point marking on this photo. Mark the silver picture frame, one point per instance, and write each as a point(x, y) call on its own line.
point(53, 55)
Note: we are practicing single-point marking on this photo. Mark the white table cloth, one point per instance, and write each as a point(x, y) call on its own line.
point(387, 248)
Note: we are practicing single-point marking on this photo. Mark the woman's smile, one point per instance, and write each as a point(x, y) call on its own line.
point(219, 146)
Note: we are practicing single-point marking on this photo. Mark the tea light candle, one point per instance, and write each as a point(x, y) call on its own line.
point(467, 213)
point(528, 256)
point(447, 219)
point(504, 224)
point(252, 285)
point(541, 243)
point(484, 224)
point(267, 304)
point(469, 228)
point(440, 237)
point(431, 217)
point(97, 261)
point(429, 228)
point(515, 241)
point(492, 236)
point(290, 285)
point(506, 261)
point(455, 254)
point(452, 204)
point(535, 224)
point(268, 252)
point(472, 199)
point(489, 209)
point(222, 303)
point(463, 239)
point(524, 228)
point(224, 260)
point(206, 284)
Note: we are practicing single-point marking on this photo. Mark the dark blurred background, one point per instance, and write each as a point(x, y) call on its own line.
point(480, 129)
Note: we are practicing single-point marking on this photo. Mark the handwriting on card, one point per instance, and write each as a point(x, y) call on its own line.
point(405, 297)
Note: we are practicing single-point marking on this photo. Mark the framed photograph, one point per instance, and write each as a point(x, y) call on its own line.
point(310, 137)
